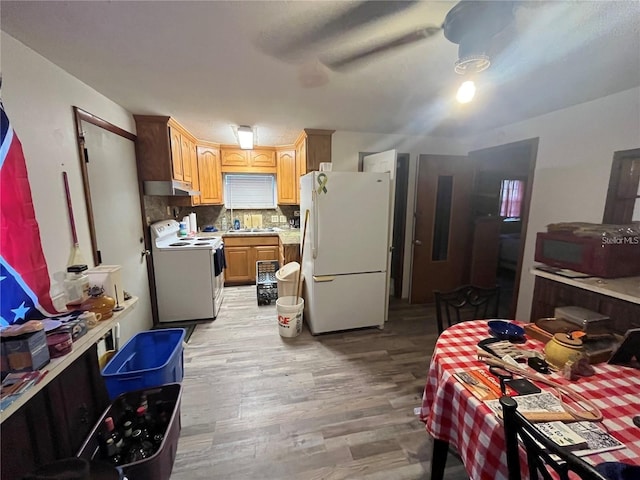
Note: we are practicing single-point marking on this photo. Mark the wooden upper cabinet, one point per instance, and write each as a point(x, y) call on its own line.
point(235, 157)
point(210, 175)
point(186, 149)
point(176, 154)
point(315, 148)
point(287, 178)
point(165, 150)
point(301, 156)
point(195, 174)
point(262, 158)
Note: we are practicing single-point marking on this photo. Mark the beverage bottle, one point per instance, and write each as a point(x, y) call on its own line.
point(144, 402)
point(141, 422)
point(140, 448)
point(112, 453)
point(113, 433)
point(128, 413)
point(127, 430)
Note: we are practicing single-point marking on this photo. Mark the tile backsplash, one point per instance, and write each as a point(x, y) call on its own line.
point(158, 208)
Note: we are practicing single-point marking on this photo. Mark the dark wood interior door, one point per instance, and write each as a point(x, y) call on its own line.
point(442, 225)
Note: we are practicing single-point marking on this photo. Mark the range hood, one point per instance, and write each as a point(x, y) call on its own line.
point(173, 188)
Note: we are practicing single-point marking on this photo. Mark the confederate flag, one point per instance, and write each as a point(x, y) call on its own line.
point(24, 278)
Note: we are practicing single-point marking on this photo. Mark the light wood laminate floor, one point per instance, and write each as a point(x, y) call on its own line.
point(334, 406)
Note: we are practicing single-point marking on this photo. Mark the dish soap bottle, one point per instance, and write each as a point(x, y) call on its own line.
point(236, 224)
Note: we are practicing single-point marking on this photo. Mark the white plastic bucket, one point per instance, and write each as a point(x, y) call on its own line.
point(290, 315)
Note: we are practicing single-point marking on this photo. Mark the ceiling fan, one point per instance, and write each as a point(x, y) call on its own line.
point(471, 24)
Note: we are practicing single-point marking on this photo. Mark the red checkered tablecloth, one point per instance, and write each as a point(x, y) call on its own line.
point(451, 413)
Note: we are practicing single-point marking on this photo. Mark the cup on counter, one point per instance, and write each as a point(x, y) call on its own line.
point(91, 318)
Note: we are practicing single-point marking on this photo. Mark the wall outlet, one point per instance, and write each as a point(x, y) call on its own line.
point(168, 210)
point(283, 219)
point(274, 218)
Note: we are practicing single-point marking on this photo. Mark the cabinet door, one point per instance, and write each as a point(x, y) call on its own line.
point(210, 175)
point(262, 158)
point(234, 157)
point(291, 253)
point(186, 159)
point(176, 154)
point(239, 262)
point(195, 174)
point(301, 158)
point(287, 179)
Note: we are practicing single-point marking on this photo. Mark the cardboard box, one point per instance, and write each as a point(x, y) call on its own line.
point(108, 277)
point(24, 353)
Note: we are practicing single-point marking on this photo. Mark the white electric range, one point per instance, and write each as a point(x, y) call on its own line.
point(189, 274)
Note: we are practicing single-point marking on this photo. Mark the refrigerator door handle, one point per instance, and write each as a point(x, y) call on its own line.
point(324, 278)
point(314, 224)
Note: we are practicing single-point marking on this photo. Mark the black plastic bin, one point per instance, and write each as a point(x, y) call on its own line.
point(160, 464)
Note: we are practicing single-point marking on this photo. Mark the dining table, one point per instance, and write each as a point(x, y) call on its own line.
point(454, 417)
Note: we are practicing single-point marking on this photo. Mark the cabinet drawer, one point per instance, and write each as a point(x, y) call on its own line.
point(250, 241)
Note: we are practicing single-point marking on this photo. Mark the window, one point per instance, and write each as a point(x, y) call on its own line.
point(250, 191)
point(511, 195)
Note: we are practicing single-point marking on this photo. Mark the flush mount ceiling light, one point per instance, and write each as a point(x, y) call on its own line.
point(245, 137)
point(466, 92)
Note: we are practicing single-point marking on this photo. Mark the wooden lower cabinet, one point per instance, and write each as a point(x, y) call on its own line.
point(55, 422)
point(238, 261)
point(242, 253)
point(288, 253)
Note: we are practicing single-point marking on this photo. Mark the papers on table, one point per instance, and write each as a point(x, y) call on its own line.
point(583, 438)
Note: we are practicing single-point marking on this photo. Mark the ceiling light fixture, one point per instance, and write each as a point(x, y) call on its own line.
point(466, 92)
point(245, 137)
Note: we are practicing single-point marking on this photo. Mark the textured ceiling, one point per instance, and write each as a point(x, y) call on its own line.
point(208, 64)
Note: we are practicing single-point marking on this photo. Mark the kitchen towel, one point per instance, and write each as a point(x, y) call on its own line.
point(193, 224)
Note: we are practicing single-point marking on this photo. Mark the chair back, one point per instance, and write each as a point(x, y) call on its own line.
point(543, 455)
point(467, 302)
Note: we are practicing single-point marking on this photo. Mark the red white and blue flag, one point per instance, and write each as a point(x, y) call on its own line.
point(24, 278)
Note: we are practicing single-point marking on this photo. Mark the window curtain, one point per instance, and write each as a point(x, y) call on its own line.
point(511, 195)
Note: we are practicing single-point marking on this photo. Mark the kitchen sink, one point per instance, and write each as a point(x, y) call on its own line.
point(253, 230)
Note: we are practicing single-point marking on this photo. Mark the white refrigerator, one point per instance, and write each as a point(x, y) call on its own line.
point(346, 247)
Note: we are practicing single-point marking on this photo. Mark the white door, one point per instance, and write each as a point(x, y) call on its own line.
point(385, 162)
point(347, 229)
point(113, 182)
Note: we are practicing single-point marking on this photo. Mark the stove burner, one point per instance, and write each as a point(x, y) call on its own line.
point(205, 239)
point(202, 243)
point(179, 244)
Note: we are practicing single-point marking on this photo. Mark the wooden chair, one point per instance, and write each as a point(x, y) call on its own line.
point(467, 302)
point(539, 450)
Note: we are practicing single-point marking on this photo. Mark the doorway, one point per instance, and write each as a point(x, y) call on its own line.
point(112, 196)
point(460, 233)
point(399, 219)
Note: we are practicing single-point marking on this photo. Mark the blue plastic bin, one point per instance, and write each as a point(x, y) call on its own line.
point(149, 359)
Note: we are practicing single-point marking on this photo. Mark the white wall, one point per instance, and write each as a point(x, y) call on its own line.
point(38, 98)
point(345, 148)
point(572, 167)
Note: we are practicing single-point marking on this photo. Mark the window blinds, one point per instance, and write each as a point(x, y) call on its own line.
point(250, 191)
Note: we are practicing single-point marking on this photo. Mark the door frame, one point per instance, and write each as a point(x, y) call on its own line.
point(399, 216)
point(80, 116)
point(532, 145)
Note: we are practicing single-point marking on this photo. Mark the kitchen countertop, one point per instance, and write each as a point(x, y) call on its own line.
point(627, 288)
point(290, 236)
